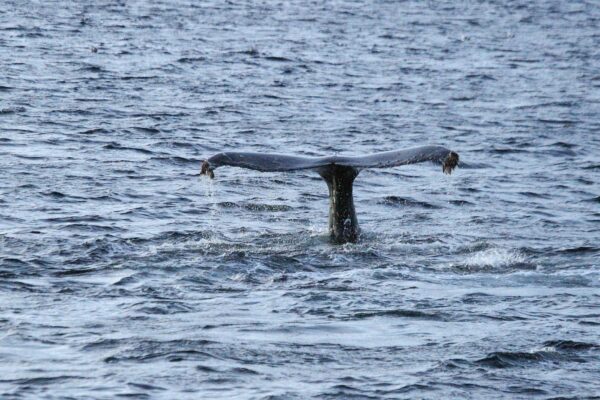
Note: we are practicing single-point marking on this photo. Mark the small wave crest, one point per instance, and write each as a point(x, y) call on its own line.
point(495, 259)
point(552, 350)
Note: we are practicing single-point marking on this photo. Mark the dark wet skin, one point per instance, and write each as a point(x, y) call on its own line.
point(339, 174)
point(343, 224)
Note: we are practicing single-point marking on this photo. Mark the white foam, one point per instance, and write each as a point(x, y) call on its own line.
point(495, 258)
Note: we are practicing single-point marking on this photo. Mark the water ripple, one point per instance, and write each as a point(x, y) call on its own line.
point(118, 261)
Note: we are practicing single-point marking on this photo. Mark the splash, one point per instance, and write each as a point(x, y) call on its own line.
point(495, 258)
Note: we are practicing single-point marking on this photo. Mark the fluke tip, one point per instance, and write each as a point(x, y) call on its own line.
point(206, 170)
point(450, 162)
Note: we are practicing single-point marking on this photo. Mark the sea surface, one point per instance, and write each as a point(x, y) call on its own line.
point(125, 274)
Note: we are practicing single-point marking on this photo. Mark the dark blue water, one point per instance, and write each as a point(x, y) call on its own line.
point(124, 274)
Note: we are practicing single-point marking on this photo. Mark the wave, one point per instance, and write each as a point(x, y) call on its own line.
point(397, 313)
point(552, 350)
point(406, 202)
point(495, 260)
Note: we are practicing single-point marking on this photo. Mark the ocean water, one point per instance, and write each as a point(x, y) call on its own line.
point(123, 273)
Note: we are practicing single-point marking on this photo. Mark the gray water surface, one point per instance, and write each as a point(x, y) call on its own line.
point(124, 273)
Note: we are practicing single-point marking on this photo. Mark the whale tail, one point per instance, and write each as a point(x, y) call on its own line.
point(338, 172)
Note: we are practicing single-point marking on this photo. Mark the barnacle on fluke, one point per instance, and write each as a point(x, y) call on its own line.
point(450, 162)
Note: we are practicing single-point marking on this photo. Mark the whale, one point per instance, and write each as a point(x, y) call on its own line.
point(339, 172)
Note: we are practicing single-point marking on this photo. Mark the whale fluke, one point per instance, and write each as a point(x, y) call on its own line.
point(338, 172)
